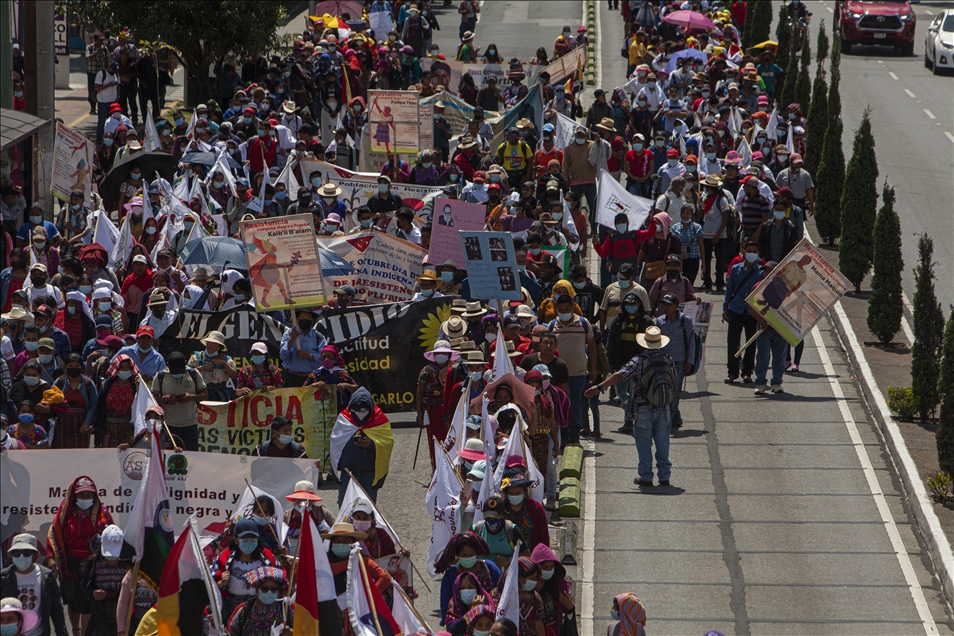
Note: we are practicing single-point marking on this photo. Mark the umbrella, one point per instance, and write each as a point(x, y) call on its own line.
point(217, 251)
point(689, 20)
point(150, 162)
point(645, 17)
point(332, 264)
point(695, 54)
point(339, 8)
point(762, 45)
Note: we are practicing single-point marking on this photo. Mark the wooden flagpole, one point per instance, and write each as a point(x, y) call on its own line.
point(367, 590)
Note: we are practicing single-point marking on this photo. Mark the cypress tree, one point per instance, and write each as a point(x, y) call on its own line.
point(786, 95)
point(928, 331)
point(885, 306)
point(817, 122)
point(822, 44)
point(803, 89)
point(831, 168)
point(859, 206)
point(765, 20)
point(783, 35)
point(758, 22)
point(749, 26)
point(945, 389)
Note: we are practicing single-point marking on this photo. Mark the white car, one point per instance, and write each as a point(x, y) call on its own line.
point(939, 42)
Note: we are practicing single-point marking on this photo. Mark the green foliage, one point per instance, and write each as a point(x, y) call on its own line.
point(803, 91)
point(945, 390)
point(904, 402)
point(783, 35)
point(817, 123)
point(941, 486)
point(859, 206)
point(758, 22)
point(822, 44)
point(928, 331)
point(785, 94)
point(885, 306)
point(830, 179)
point(185, 25)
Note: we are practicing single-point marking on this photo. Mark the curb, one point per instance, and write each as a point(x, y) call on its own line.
point(938, 545)
point(591, 46)
point(570, 473)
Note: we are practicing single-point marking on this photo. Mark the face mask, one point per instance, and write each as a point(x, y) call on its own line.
point(441, 359)
point(453, 177)
point(546, 575)
point(267, 598)
point(382, 188)
point(580, 140)
point(84, 504)
point(31, 346)
point(362, 526)
point(261, 133)
point(71, 310)
point(783, 158)
point(26, 418)
point(154, 422)
point(624, 283)
point(341, 550)
point(40, 245)
point(427, 293)
point(721, 133)
point(73, 372)
point(447, 277)
point(144, 349)
point(467, 562)
point(535, 251)
point(286, 440)
point(565, 317)
point(672, 162)
point(579, 285)
point(260, 521)
point(467, 596)
point(104, 306)
point(632, 310)
point(124, 375)
point(21, 563)
point(258, 359)
point(638, 147)
point(779, 215)
point(247, 546)
point(515, 500)
point(435, 52)
point(529, 586)
point(495, 178)
point(614, 614)
point(304, 325)
point(45, 359)
point(651, 84)
point(135, 176)
point(750, 257)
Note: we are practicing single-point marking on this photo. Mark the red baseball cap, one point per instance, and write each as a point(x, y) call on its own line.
point(146, 331)
point(479, 177)
point(672, 152)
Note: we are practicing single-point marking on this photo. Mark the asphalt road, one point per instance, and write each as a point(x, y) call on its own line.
point(913, 122)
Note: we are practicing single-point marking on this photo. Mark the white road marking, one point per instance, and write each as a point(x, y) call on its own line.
point(587, 589)
point(949, 135)
point(905, 325)
point(893, 76)
point(830, 10)
point(929, 12)
point(929, 114)
point(901, 552)
point(910, 94)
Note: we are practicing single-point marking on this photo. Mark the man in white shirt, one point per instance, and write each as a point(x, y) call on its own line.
point(106, 86)
point(653, 94)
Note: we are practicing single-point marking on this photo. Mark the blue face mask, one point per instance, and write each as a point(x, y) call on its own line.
point(261, 133)
point(467, 596)
point(447, 277)
point(341, 550)
point(624, 283)
point(84, 504)
point(211, 354)
point(31, 346)
point(261, 522)
point(515, 500)
point(45, 359)
point(529, 586)
point(285, 439)
point(366, 223)
point(615, 614)
point(86, 290)
point(124, 375)
point(180, 121)
point(248, 546)
point(281, 196)
point(26, 418)
point(258, 359)
point(267, 598)
point(565, 317)
point(107, 142)
point(316, 182)
point(750, 257)
point(143, 349)
point(579, 285)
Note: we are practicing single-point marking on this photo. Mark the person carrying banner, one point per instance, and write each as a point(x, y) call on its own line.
point(300, 350)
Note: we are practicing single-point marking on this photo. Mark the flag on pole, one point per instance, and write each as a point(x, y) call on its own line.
point(123, 247)
point(456, 433)
point(287, 177)
point(404, 615)
point(315, 582)
point(143, 401)
point(790, 140)
point(149, 532)
point(105, 233)
point(502, 365)
point(515, 447)
point(443, 506)
point(745, 153)
point(613, 199)
point(486, 490)
point(151, 142)
point(222, 166)
point(257, 203)
point(352, 493)
point(246, 507)
point(509, 604)
point(186, 588)
point(366, 606)
point(772, 125)
point(183, 188)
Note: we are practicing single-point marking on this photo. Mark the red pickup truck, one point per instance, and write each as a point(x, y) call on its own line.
point(884, 22)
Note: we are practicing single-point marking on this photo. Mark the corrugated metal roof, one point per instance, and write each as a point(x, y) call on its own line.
point(16, 125)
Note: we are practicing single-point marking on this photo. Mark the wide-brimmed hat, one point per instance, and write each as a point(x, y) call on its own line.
point(454, 327)
point(202, 272)
point(473, 310)
point(524, 311)
point(468, 36)
point(473, 450)
point(713, 180)
point(134, 203)
point(607, 124)
point(458, 306)
point(216, 337)
point(157, 298)
point(429, 274)
point(24, 541)
point(289, 107)
point(511, 349)
point(18, 313)
point(442, 347)
point(304, 490)
point(525, 123)
point(28, 618)
point(344, 530)
point(652, 338)
point(466, 143)
point(473, 357)
point(329, 190)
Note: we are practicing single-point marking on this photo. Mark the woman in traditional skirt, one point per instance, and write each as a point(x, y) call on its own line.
point(112, 421)
point(74, 412)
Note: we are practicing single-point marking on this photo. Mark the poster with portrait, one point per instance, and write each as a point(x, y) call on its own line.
point(399, 567)
point(798, 292)
point(491, 265)
point(450, 217)
point(72, 164)
point(283, 263)
point(395, 122)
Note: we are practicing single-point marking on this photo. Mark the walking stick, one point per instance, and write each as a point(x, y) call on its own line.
point(417, 449)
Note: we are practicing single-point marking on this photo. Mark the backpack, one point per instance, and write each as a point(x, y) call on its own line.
point(657, 382)
point(697, 358)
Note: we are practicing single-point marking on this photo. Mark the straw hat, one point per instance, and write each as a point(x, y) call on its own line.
point(652, 338)
point(607, 124)
point(157, 298)
point(344, 530)
point(473, 310)
point(329, 190)
point(216, 337)
point(454, 327)
point(429, 274)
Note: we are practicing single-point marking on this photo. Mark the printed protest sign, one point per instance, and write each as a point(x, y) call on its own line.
point(491, 265)
point(450, 217)
point(72, 163)
point(209, 486)
point(283, 262)
point(561, 68)
point(386, 267)
point(395, 122)
point(426, 117)
point(447, 73)
point(798, 292)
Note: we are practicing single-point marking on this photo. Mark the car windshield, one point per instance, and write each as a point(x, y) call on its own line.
point(948, 24)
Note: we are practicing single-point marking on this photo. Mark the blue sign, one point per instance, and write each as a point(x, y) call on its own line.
point(491, 265)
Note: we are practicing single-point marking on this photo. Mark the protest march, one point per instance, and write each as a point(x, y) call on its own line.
point(225, 324)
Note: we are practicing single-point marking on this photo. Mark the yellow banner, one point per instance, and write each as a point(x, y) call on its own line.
point(237, 427)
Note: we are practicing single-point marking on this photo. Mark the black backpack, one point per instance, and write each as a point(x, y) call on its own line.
point(657, 382)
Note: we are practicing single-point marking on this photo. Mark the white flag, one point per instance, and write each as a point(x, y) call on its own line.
point(486, 490)
point(247, 506)
point(352, 494)
point(183, 188)
point(613, 199)
point(287, 177)
point(564, 130)
point(151, 142)
point(443, 505)
point(735, 121)
point(404, 616)
point(105, 233)
point(457, 431)
point(257, 203)
point(515, 447)
point(221, 165)
point(772, 126)
point(509, 604)
point(123, 246)
point(790, 140)
point(502, 365)
point(144, 400)
point(745, 153)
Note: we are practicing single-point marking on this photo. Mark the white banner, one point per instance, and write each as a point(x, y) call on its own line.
point(72, 164)
point(613, 199)
point(208, 485)
point(386, 267)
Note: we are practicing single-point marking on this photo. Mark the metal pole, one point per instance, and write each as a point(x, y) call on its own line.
point(6, 62)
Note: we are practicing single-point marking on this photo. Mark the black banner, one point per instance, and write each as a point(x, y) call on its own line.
point(383, 345)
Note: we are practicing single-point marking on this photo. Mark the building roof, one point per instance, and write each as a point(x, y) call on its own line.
point(16, 125)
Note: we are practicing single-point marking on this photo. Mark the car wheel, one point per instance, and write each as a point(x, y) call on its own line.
point(845, 48)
